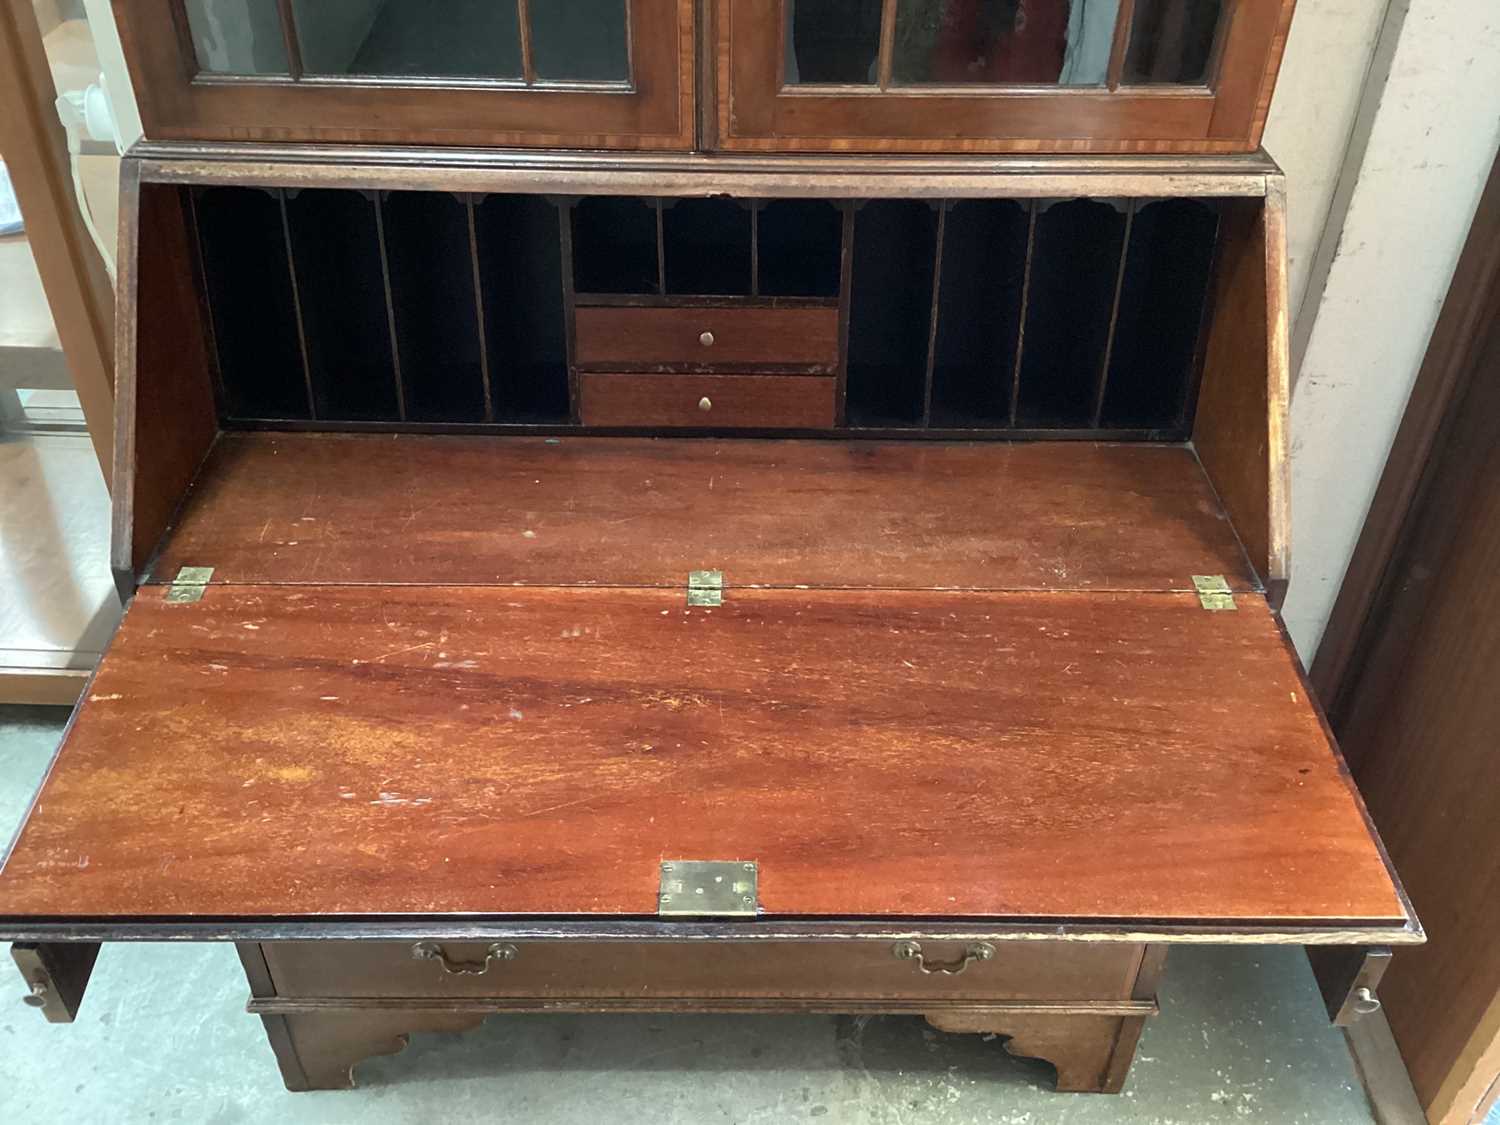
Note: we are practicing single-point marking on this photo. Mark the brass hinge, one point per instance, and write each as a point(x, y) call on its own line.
point(1213, 592)
point(189, 584)
point(705, 587)
point(707, 888)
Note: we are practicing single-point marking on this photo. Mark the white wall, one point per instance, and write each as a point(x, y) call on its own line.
point(1420, 147)
point(1317, 97)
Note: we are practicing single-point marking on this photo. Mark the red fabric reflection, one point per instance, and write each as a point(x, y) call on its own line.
point(1001, 41)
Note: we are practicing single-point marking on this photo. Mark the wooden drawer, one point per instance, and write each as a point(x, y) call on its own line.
point(854, 969)
point(752, 402)
point(707, 336)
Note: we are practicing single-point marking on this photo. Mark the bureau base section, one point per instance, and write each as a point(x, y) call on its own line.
point(1077, 1006)
point(318, 1044)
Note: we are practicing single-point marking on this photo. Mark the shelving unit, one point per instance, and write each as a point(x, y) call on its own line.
point(996, 317)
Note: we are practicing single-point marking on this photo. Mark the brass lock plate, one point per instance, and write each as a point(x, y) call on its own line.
point(703, 888)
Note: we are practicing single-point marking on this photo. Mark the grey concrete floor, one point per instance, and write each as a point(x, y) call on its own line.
point(163, 1037)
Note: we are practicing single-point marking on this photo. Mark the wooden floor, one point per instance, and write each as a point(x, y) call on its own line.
point(311, 508)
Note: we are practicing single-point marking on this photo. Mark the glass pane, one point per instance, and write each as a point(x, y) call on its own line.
point(579, 40)
point(1004, 42)
point(410, 38)
point(832, 41)
point(237, 36)
point(1172, 41)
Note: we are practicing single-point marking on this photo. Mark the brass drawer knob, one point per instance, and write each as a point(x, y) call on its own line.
point(37, 997)
point(706, 339)
point(912, 951)
point(1366, 1003)
point(432, 951)
point(705, 404)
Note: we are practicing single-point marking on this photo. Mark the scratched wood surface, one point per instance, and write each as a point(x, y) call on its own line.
point(275, 751)
point(310, 508)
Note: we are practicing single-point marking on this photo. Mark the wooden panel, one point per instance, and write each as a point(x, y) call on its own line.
point(177, 104)
point(761, 402)
point(771, 339)
point(40, 687)
point(1382, 1072)
point(1243, 89)
point(57, 974)
point(756, 111)
point(1453, 355)
point(306, 508)
point(165, 402)
point(1345, 972)
point(1420, 701)
point(1240, 430)
point(749, 176)
point(644, 970)
point(279, 752)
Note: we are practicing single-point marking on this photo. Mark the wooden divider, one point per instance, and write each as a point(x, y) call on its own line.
point(1060, 318)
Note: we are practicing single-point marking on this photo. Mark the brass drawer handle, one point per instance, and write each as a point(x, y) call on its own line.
point(706, 339)
point(705, 404)
point(1366, 1003)
point(432, 951)
point(912, 951)
point(38, 996)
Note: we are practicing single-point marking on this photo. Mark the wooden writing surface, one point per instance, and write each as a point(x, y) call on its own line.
point(282, 752)
point(329, 508)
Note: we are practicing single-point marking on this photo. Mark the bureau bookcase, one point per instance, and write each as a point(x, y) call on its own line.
point(744, 507)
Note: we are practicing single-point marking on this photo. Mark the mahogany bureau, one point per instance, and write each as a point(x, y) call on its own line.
point(738, 506)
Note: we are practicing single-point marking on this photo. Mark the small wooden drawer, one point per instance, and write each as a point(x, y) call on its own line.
point(707, 336)
point(580, 970)
point(770, 402)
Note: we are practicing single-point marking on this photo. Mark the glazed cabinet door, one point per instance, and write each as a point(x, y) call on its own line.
point(565, 73)
point(996, 75)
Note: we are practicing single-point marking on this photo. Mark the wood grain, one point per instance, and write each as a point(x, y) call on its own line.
point(1382, 1072)
point(768, 338)
point(627, 511)
point(741, 1005)
point(684, 174)
point(655, 112)
point(1241, 427)
point(684, 970)
point(1092, 1053)
point(750, 112)
point(758, 402)
point(167, 418)
point(1421, 703)
point(31, 686)
point(319, 1050)
point(1243, 90)
point(320, 1047)
point(277, 752)
point(756, 111)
